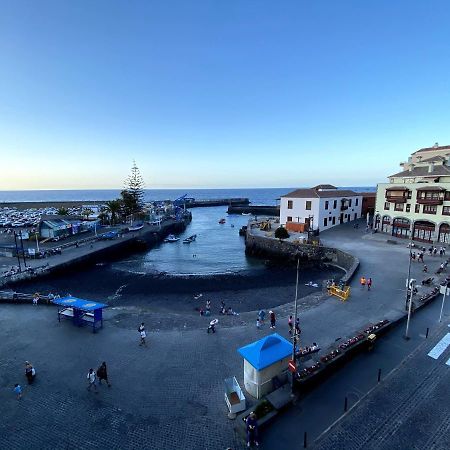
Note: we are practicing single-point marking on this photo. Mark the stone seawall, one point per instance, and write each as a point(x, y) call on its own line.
point(309, 255)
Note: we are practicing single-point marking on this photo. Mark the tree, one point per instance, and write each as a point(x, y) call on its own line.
point(63, 211)
point(281, 233)
point(114, 207)
point(87, 212)
point(133, 194)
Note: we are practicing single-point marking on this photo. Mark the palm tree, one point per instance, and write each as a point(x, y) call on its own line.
point(113, 207)
point(87, 212)
point(63, 211)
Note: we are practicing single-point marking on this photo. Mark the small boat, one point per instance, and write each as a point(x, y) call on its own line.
point(136, 227)
point(222, 221)
point(190, 239)
point(171, 238)
point(246, 214)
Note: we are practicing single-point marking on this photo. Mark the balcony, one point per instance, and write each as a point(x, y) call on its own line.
point(395, 198)
point(430, 200)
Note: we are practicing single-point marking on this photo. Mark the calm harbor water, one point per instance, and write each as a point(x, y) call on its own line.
point(218, 248)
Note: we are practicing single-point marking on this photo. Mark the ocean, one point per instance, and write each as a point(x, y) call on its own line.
point(218, 249)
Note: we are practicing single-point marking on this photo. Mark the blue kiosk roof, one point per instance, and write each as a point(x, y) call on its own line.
point(73, 302)
point(266, 351)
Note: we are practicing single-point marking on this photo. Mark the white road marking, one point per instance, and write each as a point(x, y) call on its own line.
point(448, 362)
point(440, 347)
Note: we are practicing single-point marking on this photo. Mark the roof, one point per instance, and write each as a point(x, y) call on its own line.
point(266, 351)
point(73, 302)
point(324, 186)
point(433, 159)
point(313, 193)
point(429, 149)
point(431, 188)
point(423, 172)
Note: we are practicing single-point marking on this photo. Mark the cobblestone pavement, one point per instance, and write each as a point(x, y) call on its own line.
point(169, 395)
point(409, 410)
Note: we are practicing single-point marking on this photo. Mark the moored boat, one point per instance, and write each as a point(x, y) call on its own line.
point(190, 239)
point(171, 238)
point(222, 221)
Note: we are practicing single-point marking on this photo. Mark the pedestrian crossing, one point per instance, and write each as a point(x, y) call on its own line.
point(440, 348)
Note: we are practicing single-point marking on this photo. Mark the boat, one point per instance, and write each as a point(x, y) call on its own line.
point(246, 214)
point(222, 221)
point(190, 239)
point(171, 238)
point(136, 227)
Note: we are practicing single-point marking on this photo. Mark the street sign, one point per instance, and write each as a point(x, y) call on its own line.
point(291, 366)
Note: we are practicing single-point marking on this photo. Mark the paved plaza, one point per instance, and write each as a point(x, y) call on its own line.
point(169, 395)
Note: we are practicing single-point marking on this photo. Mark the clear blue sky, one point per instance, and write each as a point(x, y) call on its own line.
point(211, 93)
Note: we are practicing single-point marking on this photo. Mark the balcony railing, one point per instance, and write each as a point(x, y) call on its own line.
point(430, 201)
point(395, 199)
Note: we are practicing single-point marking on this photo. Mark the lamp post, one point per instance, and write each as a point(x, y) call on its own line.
point(409, 264)
point(17, 251)
point(411, 286)
point(294, 337)
point(445, 289)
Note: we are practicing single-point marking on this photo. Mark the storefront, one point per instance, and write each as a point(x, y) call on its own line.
point(386, 224)
point(444, 233)
point(401, 228)
point(424, 231)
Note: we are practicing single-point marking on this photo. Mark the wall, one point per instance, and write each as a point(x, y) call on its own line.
point(299, 212)
point(268, 247)
point(331, 212)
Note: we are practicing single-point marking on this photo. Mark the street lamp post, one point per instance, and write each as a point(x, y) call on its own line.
point(17, 251)
point(294, 337)
point(443, 300)
point(411, 285)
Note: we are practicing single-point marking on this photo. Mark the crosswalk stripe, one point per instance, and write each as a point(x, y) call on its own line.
point(448, 362)
point(440, 347)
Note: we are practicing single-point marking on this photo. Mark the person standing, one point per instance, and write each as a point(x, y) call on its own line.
point(29, 372)
point(297, 327)
point(102, 374)
point(91, 380)
point(290, 324)
point(143, 335)
point(252, 430)
point(272, 319)
point(258, 324)
point(363, 282)
point(369, 284)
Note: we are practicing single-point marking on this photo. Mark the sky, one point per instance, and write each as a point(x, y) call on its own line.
point(207, 93)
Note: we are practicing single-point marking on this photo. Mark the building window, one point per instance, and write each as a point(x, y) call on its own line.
point(325, 222)
point(386, 206)
point(408, 207)
point(408, 195)
point(398, 207)
point(429, 209)
point(446, 210)
point(334, 220)
point(326, 204)
point(350, 203)
point(417, 209)
point(290, 204)
point(447, 195)
point(289, 218)
point(308, 205)
point(335, 204)
point(356, 202)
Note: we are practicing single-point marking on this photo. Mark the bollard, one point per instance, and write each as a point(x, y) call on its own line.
point(305, 442)
point(379, 375)
point(345, 404)
point(426, 335)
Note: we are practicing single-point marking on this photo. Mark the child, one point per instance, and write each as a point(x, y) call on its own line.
point(258, 324)
point(18, 391)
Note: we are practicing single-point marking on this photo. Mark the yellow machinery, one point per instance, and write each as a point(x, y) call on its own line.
point(343, 294)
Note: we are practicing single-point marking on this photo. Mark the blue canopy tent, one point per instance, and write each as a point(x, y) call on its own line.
point(81, 312)
point(264, 360)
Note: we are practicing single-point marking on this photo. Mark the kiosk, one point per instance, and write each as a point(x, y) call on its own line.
point(81, 312)
point(264, 360)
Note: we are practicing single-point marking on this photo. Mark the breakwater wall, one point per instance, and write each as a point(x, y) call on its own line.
point(256, 210)
point(100, 251)
point(216, 202)
point(308, 255)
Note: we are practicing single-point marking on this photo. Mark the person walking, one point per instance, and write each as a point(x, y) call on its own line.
point(369, 284)
point(142, 334)
point(297, 327)
point(252, 430)
point(262, 316)
point(102, 374)
point(363, 281)
point(290, 324)
point(258, 324)
point(29, 372)
point(272, 319)
point(18, 391)
point(91, 380)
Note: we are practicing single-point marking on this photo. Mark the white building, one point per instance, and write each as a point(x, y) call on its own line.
point(417, 198)
point(323, 206)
